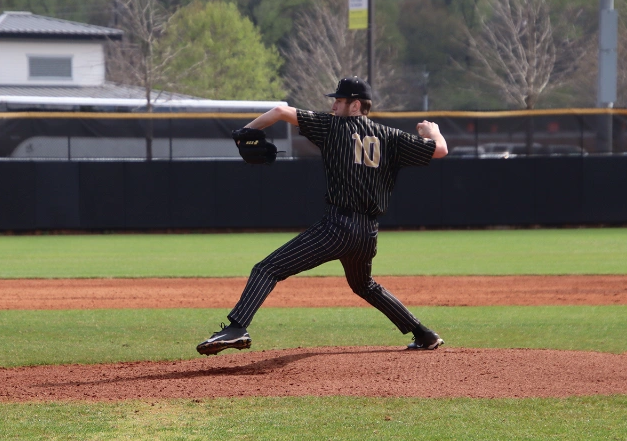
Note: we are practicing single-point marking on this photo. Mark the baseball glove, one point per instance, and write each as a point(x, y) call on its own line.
point(253, 146)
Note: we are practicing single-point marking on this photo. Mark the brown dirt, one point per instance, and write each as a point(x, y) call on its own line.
point(354, 371)
point(311, 292)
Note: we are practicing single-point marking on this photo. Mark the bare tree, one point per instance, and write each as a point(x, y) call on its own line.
point(516, 49)
point(322, 50)
point(133, 60)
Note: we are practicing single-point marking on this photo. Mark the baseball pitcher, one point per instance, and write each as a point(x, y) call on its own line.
point(361, 161)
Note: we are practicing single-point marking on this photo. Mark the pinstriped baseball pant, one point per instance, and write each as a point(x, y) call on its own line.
point(352, 240)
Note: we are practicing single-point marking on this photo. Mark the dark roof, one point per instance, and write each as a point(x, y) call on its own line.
point(28, 25)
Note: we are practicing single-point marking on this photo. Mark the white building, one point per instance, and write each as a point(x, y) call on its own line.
point(43, 51)
point(52, 64)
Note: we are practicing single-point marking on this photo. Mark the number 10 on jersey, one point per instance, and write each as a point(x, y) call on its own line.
point(368, 151)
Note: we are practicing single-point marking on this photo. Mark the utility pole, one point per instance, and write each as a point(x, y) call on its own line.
point(607, 76)
point(425, 89)
point(361, 16)
point(608, 53)
point(371, 78)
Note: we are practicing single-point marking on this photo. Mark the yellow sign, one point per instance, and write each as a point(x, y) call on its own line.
point(357, 14)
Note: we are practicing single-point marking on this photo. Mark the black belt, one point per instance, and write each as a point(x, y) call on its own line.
point(349, 213)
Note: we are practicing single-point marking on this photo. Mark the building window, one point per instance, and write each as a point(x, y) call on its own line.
point(50, 67)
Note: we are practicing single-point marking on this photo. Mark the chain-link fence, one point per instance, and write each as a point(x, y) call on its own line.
point(111, 136)
point(207, 136)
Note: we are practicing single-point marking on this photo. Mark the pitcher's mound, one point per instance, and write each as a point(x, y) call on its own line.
point(353, 371)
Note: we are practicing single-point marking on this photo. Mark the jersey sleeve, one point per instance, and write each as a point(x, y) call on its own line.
point(414, 150)
point(314, 125)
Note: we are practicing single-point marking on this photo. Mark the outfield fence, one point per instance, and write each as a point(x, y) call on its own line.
point(89, 171)
point(130, 195)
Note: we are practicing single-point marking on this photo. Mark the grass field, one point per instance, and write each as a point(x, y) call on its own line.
point(335, 418)
point(108, 335)
point(96, 336)
point(499, 252)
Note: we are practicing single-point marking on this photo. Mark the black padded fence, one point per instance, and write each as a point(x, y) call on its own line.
point(550, 191)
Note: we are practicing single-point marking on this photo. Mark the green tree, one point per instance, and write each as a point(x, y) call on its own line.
point(214, 52)
point(274, 18)
point(98, 12)
point(433, 34)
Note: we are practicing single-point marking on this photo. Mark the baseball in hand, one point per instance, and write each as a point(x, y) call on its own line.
point(427, 129)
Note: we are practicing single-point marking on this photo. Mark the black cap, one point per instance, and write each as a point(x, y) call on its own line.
point(352, 87)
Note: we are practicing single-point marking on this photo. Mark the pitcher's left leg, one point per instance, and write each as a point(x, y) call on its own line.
point(362, 284)
point(375, 294)
point(358, 267)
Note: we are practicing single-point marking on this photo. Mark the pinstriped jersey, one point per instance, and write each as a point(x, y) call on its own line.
point(362, 158)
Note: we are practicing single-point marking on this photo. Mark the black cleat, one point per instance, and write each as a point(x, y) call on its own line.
point(227, 337)
point(425, 341)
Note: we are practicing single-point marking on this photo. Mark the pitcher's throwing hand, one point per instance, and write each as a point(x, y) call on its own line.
point(428, 129)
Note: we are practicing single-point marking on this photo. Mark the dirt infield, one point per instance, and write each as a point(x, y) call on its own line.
point(311, 292)
point(354, 371)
